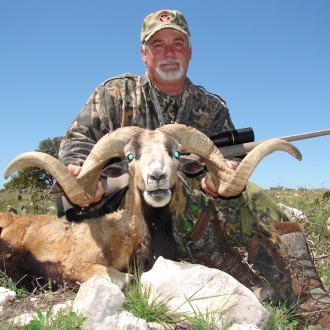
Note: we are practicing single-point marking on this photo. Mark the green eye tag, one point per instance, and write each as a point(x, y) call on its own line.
point(130, 157)
point(176, 154)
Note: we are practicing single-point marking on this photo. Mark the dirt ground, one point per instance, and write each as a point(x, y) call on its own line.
point(30, 303)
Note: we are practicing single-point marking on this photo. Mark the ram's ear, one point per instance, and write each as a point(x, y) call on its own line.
point(190, 166)
point(115, 169)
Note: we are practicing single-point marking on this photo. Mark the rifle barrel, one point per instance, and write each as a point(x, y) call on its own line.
point(242, 149)
point(309, 135)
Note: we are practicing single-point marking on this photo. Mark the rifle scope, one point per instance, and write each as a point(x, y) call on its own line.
point(236, 136)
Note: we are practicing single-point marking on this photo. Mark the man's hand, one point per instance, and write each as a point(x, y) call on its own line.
point(207, 183)
point(75, 170)
point(232, 164)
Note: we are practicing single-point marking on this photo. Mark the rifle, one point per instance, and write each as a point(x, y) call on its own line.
point(237, 143)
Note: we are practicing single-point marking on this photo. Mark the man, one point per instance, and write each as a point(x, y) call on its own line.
point(164, 95)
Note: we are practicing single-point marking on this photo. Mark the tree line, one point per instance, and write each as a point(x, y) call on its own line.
point(36, 177)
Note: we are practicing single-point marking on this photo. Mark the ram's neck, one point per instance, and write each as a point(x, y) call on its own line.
point(157, 238)
point(159, 222)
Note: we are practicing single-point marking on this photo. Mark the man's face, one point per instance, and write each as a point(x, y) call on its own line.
point(167, 55)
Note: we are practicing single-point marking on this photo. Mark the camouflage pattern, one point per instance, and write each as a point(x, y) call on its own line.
point(163, 19)
point(293, 276)
point(130, 100)
point(169, 105)
point(240, 216)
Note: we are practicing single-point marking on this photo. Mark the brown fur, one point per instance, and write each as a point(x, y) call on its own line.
point(65, 252)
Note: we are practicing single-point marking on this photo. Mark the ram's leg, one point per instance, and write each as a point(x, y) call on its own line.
point(87, 271)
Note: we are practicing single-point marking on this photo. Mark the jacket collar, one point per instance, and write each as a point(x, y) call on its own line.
point(144, 80)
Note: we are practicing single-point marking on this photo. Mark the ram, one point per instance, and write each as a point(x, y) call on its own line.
point(66, 252)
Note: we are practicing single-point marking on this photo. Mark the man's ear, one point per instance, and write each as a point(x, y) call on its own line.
point(190, 53)
point(143, 55)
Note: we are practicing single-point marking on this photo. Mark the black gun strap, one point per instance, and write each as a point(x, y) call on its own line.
point(110, 206)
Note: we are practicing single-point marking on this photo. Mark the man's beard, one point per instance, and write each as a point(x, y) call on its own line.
point(173, 74)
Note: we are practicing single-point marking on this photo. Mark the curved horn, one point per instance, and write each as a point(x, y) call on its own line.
point(57, 169)
point(82, 189)
point(253, 158)
point(227, 181)
point(109, 146)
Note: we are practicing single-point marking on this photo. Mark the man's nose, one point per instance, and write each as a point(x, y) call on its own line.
point(169, 51)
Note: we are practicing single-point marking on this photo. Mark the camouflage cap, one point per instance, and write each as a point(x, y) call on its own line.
point(163, 19)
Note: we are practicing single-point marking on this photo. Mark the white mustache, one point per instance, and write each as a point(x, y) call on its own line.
point(169, 61)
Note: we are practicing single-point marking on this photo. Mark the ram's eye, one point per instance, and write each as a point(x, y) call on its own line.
point(176, 154)
point(130, 157)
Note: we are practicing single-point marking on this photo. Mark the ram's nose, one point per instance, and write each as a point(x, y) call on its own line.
point(157, 177)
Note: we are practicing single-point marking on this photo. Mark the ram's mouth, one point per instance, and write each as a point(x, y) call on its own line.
point(158, 193)
point(157, 197)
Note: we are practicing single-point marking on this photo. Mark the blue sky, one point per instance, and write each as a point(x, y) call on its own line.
point(270, 61)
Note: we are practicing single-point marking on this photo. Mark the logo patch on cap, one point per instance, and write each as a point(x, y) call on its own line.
point(164, 17)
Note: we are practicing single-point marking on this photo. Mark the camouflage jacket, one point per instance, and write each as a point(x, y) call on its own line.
point(130, 100)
